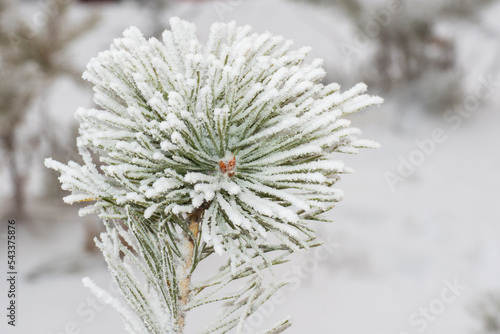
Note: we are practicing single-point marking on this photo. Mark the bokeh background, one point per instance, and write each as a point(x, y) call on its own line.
point(415, 246)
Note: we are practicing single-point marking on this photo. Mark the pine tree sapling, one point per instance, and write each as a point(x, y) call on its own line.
point(229, 148)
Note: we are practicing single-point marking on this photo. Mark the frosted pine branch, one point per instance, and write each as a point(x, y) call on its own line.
point(208, 149)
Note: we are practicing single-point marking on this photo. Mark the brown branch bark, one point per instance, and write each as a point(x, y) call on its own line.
point(185, 284)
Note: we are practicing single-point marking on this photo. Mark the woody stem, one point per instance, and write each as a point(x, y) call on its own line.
point(185, 284)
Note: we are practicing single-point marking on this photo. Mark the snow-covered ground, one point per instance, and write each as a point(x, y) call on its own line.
point(412, 258)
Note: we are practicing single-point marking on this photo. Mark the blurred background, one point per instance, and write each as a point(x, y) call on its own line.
point(415, 246)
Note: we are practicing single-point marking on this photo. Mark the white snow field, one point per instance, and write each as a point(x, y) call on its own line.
point(410, 258)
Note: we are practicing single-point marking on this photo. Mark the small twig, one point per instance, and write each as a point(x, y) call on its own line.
point(185, 284)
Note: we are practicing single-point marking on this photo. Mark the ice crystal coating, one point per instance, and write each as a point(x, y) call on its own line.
point(241, 128)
